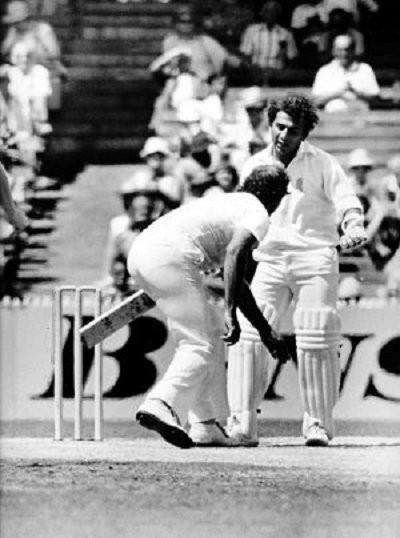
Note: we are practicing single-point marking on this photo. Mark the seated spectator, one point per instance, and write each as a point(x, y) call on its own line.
point(226, 180)
point(268, 45)
point(391, 184)
point(344, 83)
point(351, 6)
point(360, 164)
point(302, 15)
point(252, 132)
point(40, 36)
point(196, 167)
point(139, 195)
point(155, 153)
point(29, 88)
point(181, 85)
point(212, 107)
point(312, 46)
point(118, 285)
point(208, 56)
point(341, 22)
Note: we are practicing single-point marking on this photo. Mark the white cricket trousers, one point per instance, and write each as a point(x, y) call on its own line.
point(167, 268)
point(309, 279)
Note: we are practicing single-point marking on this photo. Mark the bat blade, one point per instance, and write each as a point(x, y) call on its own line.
point(115, 318)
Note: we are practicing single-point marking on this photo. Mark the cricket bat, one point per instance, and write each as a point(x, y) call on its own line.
point(115, 318)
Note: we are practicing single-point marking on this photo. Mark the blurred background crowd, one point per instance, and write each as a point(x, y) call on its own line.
point(216, 72)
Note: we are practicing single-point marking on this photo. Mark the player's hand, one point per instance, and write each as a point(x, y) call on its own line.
point(232, 329)
point(353, 238)
point(276, 346)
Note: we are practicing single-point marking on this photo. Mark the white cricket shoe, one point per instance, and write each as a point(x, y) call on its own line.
point(235, 432)
point(157, 415)
point(210, 433)
point(316, 435)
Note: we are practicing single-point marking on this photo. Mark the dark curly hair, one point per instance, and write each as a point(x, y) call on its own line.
point(268, 183)
point(298, 107)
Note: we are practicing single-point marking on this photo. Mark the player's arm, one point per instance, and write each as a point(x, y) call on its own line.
point(238, 295)
point(14, 215)
point(340, 190)
point(237, 252)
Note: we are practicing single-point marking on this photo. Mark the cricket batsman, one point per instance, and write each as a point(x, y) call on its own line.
point(298, 263)
point(167, 261)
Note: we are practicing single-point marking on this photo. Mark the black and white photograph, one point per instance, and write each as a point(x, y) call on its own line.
point(199, 269)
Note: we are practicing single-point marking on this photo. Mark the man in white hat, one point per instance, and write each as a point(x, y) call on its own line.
point(156, 154)
point(360, 164)
point(344, 83)
point(140, 196)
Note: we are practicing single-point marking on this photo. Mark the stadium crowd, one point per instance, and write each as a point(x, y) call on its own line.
point(200, 138)
point(31, 75)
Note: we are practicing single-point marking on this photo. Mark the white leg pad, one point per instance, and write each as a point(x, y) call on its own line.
point(247, 381)
point(317, 338)
point(247, 377)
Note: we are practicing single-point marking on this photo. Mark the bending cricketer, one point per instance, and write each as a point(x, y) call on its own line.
point(167, 261)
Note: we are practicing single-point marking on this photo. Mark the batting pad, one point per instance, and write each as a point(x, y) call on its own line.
point(247, 381)
point(317, 338)
point(319, 385)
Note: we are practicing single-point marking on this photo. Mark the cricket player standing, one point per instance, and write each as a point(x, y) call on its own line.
point(298, 261)
point(167, 261)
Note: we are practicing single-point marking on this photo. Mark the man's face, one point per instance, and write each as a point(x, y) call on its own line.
point(156, 162)
point(141, 208)
point(224, 178)
point(344, 54)
point(286, 135)
point(270, 13)
point(361, 173)
point(119, 274)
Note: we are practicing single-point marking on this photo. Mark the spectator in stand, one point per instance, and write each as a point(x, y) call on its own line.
point(208, 56)
point(21, 26)
point(156, 153)
point(253, 132)
point(181, 85)
point(391, 183)
point(360, 165)
point(226, 179)
point(341, 23)
point(302, 15)
point(117, 286)
point(345, 84)
point(29, 87)
point(196, 168)
point(383, 230)
point(267, 45)
point(213, 107)
point(140, 196)
point(351, 6)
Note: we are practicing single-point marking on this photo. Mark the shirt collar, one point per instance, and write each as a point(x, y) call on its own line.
point(353, 67)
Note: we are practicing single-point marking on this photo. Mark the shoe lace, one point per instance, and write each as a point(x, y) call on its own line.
point(222, 429)
point(173, 413)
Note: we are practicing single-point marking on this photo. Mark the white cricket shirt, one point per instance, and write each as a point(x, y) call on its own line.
point(320, 194)
point(209, 224)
